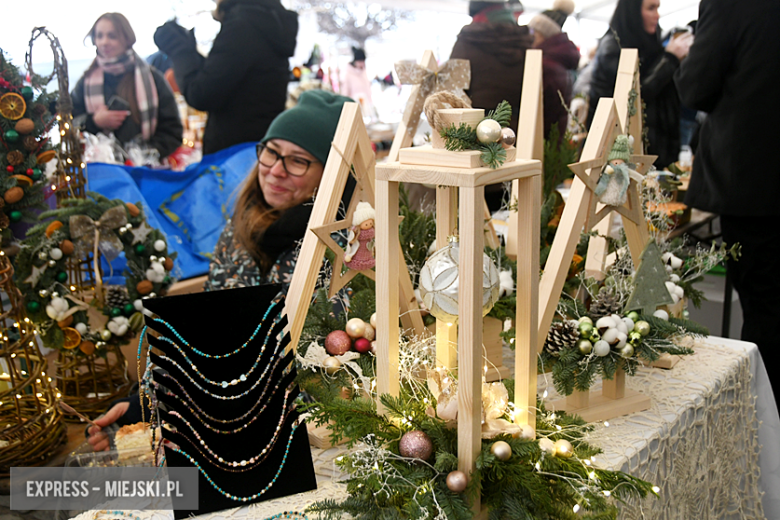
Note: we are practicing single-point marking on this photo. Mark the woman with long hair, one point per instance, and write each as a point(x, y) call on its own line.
point(121, 93)
point(634, 25)
point(272, 211)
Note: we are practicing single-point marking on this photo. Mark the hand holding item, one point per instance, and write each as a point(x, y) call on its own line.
point(680, 45)
point(110, 120)
point(97, 438)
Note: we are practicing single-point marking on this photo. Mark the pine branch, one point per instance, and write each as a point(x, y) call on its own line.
point(459, 138)
point(502, 114)
point(493, 155)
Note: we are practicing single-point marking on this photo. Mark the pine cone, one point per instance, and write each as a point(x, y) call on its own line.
point(15, 157)
point(562, 335)
point(38, 109)
point(116, 296)
point(606, 303)
point(4, 221)
point(30, 143)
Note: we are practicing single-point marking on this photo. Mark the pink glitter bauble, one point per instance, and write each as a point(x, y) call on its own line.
point(337, 343)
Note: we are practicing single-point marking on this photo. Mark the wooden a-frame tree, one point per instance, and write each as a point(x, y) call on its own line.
point(582, 211)
point(350, 152)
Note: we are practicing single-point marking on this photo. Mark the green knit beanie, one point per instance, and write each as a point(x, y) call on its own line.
point(311, 124)
point(620, 150)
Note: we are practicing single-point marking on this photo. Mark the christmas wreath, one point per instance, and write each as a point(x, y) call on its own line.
point(25, 122)
point(70, 236)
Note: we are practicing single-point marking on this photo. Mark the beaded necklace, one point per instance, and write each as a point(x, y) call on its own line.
point(245, 464)
point(234, 497)
point(197, 409)
point(224, 384)
point(227, 397)
point(220, 356)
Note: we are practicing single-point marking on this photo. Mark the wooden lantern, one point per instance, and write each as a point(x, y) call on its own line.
point(463, 188)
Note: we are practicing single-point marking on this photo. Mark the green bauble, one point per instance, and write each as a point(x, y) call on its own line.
point(33, 306)
point(27, 93)
point(642, 327)
point(62, 277)
point(36, 175)
point(128, 309)
point(166, 280)
point(585, 319)
point(585, 347)
point(15, 216)
point(594, 336)
point(115, 312)
point(633, 315)
point(586, 329)
point(11, 136)
point(139, 249)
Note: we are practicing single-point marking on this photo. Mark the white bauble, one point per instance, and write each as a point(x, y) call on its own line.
point(81, 327)
point(55, 253)
point(439, 283)
point(601, 348)
point(159, 245)
point(629, 324)
point(662, 314)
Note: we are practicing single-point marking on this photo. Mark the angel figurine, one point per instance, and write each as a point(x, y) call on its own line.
point(612, 187)
point(360, 248)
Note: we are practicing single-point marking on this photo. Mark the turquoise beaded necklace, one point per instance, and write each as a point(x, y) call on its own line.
point(229, 495)
point(220, 356)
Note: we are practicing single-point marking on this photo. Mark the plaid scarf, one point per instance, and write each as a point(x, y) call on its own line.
point(145, 89)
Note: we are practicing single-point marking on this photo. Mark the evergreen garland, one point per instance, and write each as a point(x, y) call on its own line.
point(531, 484)
point(463, 137)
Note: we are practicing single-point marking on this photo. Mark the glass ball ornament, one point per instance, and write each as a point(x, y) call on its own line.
point(61, 277)
point(139, 249)
point(129, 226)
point(416, 445)
point(15, 216)
point(601, 348)
point(642, 327)
point(439, 283)
point(122, 230)
point(81, 327)
point(43, 293)
point(33, 306)
point(153, 258)
point(105, 334)
point(507, 137)
point(159, 245)
point(55, 253)
point(488, 131)
point(52, 263)
point(586, 329)
point(457, 481)
point(116, 312)
point(563, 449)
point(152, 295)
point(26, 92)
point(627, 350)
point(355, 328)
point(11, 136)
point(331, 365)
point(43, 255)
point(501, 450)
point(584, 346)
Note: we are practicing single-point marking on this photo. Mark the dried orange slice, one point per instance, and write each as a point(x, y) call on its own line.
point(45, 156)
point(72, 338)
point(22, 180)
point(12, 106)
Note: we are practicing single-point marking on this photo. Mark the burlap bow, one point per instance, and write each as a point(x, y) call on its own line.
point(89, 234)
point(454, 76)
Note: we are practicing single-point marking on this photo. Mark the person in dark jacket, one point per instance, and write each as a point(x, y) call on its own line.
point(495, 45)
point(635, 24)
point(731, 73)
point(121, 93)
point(242, 84)
point(560, 59)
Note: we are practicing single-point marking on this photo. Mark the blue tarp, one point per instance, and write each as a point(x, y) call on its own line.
point(189, 207)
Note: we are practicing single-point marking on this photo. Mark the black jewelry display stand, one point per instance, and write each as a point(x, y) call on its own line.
point(218, 323)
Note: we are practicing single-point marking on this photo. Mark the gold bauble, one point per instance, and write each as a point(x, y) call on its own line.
point(563, 449)
point(457, 481)
point(355, 328)
point(105, 334)
point(331, 365)
point(502, 450)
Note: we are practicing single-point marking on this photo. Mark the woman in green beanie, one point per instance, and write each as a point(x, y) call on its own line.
point(259, 245)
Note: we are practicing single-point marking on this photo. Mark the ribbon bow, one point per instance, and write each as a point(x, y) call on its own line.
point(90, 234)
point(454, 76)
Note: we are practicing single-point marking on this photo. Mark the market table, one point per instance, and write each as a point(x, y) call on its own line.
point(710, 441)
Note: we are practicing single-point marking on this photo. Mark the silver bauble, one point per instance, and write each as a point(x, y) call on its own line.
point(507, 137)
point(488, 131)
point(43, 255)
point(43, 293)
point(439, 283)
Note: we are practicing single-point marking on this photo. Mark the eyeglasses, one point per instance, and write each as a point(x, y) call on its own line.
point(293, 164)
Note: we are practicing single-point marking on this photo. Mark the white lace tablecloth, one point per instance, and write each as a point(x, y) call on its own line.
point(710, 441)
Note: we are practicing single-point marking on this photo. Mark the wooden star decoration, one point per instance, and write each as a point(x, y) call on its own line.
point(141, 232)
point(589, 172)
point(36, 275)
point(363, 193)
